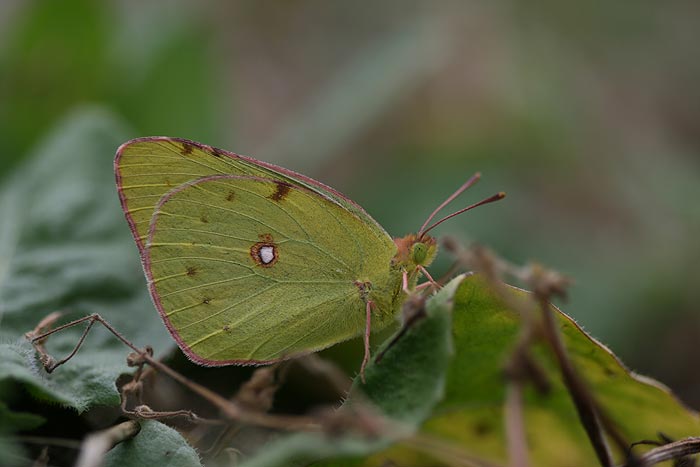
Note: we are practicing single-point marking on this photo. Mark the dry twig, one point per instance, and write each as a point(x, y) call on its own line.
point(676, 450)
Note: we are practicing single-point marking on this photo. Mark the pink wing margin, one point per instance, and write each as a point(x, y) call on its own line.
point(308, 182)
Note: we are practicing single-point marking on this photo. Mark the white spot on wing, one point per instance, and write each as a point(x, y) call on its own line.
point(267, 254)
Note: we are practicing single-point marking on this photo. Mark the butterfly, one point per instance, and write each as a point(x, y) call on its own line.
point(249, 263)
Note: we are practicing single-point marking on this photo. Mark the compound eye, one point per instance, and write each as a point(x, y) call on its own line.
point(419, 252)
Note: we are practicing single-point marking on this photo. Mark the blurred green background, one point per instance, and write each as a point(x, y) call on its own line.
point(586, 113)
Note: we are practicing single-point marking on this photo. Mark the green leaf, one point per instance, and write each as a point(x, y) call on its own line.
point(471, 415)
point(469, 420)
point(485, 332)
point(156, 444)
point(64, 245)
point(404, 386)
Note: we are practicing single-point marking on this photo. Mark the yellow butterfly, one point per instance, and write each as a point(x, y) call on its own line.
point(250, 263)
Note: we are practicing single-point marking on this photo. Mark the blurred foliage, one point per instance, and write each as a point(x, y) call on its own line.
point(57, 55)
point(587, 115)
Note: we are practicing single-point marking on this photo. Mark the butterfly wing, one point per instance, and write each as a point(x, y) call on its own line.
point(147, 168)
point(248, 269)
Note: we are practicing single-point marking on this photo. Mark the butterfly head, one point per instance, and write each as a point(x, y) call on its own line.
point(414, 251)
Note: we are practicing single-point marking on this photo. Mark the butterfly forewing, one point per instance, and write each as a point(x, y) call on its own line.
point(148, 168)
point(247, 269)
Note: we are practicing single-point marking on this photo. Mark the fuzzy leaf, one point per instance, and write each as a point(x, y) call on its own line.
point(64, 245)
point(156, 444)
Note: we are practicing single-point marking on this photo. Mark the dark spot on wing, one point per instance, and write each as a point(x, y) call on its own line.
point(204, 219)
point(191, 270)
point(206, 301)
point(281, 191)
point(482, 428)
point(187, 149)
point(231, 196)
point(227, 328)
point(216, 152)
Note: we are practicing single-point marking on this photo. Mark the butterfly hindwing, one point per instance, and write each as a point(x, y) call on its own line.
point(247, 269)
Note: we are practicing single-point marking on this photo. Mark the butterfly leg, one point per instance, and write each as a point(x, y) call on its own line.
point(405, 282)
point(429, 277)
point(368, 328)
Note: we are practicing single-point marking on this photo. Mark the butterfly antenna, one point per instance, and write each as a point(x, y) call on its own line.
point(498, 196)
point(472, 180)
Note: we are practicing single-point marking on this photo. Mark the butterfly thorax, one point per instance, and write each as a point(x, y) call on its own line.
point(385, 289)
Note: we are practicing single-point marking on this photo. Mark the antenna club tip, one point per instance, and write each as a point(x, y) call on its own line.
point(501, 194)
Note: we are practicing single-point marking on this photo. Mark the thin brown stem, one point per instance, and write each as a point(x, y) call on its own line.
point(229, 409)
point(49, 362)
point(233, 411)
point(515, 425)
point(146, 413)
point(671, 451)
point(545, 283)
point(580, 395)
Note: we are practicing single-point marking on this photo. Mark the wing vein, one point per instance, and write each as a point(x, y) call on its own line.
point(206, 284)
